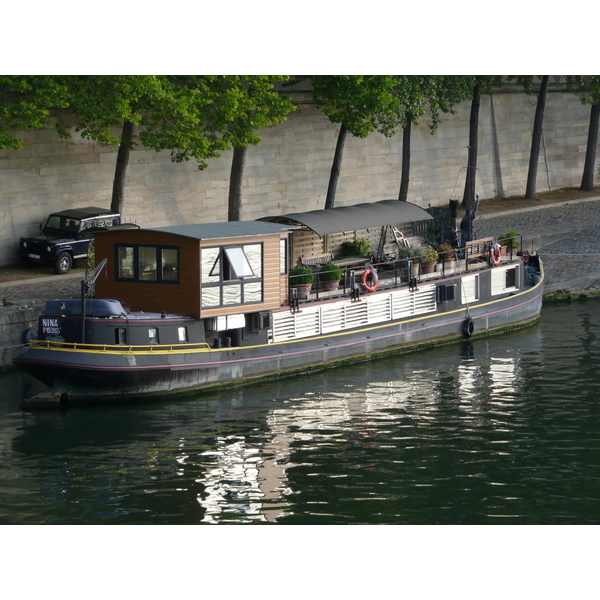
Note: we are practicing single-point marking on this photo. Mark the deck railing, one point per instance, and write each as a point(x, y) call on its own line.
point(395, 272)
point(56, 344)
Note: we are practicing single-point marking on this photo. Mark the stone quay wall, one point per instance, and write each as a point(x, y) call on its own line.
point(289, 170)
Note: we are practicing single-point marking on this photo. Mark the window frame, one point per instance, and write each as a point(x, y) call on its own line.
point(159, 248)
point(226, 278)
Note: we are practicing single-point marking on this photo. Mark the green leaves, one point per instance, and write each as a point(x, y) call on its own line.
point(195, 117)
point(587, 87)
point(26, 103)
point(363, 103)
point(368, 103)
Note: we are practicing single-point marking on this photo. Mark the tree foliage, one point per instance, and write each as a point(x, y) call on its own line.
point(193, 117)
point(26, 103)
point(362, 103)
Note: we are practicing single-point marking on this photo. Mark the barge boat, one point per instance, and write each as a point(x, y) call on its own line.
point(178, 309)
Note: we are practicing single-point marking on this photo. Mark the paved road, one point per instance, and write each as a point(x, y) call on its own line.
point(38, 290)
point(567, 237)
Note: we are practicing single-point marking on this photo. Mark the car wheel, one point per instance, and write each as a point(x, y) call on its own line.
point(63, 263)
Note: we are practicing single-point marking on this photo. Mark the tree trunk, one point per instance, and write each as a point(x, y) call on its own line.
point(469, 193)
point(118, 195)
point(403, 196)
point(587, 181)
point(336, 167)
point(534, 157)
point(235, 184)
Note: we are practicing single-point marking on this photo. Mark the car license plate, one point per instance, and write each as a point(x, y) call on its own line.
point(34, 256)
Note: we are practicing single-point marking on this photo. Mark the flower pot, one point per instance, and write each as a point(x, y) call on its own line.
point(303, 290)
point(415, 269)
point(330, 286)
point(428, 267)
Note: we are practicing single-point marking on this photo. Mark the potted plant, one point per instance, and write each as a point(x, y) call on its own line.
point(414, 254)
point(357, 247)
point(330, 276)
point(446, 252)
point(302, 279)
point(429, 260)
point(508, 241)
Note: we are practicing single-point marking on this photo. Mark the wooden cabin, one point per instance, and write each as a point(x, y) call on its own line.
point(203, 270)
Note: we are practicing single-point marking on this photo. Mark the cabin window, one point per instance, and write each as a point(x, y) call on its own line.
point(125, 262)
point(152, 264)
point(236, 266)
point(283, 256)
point(169, 264)
point(182, 332)
point(446, 293)
point(153, 335)
point(504, 280)
point(511, 278)
point(120, 336)
point(147, 263)
point(232, 275)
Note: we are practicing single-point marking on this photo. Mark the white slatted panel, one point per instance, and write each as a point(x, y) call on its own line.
point(283, 327)
point(403, 304)
point(329, 318)
point(425, 300)
point(379, 308)
point(333, 318)
point(308, 323)
point(356, 314)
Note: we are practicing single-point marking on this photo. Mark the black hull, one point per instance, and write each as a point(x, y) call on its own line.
point(77, 374)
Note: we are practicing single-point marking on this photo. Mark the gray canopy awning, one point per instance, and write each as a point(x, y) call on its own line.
point(352, 218)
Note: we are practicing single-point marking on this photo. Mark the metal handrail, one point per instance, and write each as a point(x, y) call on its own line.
point(399, 266)
point(118, 347)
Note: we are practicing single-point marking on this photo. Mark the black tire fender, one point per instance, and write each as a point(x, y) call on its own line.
point(468, 327)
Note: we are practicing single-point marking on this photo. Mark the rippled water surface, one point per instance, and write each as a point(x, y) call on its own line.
point(498, 431)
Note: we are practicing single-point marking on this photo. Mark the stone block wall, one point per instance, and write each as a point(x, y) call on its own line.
point(289, 171)
point(14, 321)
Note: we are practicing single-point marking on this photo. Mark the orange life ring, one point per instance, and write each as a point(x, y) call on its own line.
point(495, 255)
point(374, 280)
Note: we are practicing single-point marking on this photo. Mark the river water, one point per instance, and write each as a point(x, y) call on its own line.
point(504, 430)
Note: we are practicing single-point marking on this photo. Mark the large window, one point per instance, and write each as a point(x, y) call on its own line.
point(153, 264)
point(232, 275)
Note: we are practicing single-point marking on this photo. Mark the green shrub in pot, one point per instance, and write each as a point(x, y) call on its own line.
point(301, 276)
point(330, 272)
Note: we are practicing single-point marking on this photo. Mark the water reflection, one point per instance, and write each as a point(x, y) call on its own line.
point(248, 480)
point(498, 430)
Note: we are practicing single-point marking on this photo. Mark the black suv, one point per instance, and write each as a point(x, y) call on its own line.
point(66, 236)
